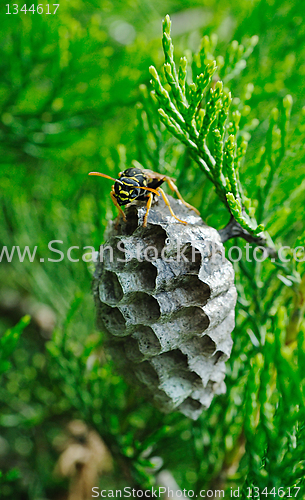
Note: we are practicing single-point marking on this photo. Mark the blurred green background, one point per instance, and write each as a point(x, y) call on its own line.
point(69, 85)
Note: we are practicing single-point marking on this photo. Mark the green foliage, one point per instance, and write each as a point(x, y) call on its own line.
point(68, 105)
point(183, 114)
point(275, 396)
point(9, 477)
point(8, 343)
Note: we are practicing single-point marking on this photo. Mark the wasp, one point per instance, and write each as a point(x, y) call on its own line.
point(142, 185)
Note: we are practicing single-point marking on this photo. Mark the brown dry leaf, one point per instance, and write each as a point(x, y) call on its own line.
point(83, 459)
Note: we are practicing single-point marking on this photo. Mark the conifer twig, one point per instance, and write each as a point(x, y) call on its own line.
point(215, 143)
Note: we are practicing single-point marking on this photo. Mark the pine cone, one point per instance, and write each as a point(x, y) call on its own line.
point(168, 309)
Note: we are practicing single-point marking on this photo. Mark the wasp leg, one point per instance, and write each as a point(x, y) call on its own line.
point(117, 205)
point(148, 205)
point(174, 188)
point(168, 204)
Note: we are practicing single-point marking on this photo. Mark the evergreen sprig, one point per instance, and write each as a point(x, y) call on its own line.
point(9, 341)
point(273, 153)
point(213, 141)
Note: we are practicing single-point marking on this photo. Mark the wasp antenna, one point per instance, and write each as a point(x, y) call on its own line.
point(102, 175)
point(106, 176)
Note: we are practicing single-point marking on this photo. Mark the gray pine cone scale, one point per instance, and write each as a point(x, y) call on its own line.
point(165, 297)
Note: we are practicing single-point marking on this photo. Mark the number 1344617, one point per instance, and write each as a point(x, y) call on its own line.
point(33, 9)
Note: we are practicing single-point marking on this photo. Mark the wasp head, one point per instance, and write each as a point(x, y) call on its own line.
point(126, 190)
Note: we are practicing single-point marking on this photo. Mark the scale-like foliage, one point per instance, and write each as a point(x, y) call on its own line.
point(183, 113)
point(8, 343)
